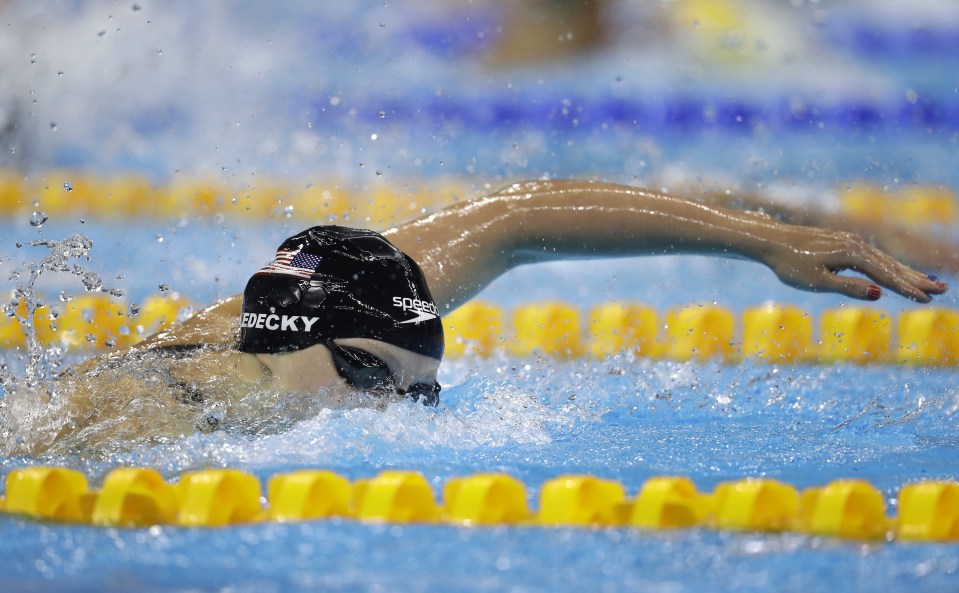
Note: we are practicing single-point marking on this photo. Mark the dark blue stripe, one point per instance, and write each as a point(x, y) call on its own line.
point(678, 113)
point(872, 39)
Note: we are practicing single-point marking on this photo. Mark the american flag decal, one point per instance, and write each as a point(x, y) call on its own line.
point(292, 263)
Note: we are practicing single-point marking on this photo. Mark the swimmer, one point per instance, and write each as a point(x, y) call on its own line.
point(343, 313)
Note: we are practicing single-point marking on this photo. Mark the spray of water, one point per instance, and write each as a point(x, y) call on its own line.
point(30, 396)
point(61, 258)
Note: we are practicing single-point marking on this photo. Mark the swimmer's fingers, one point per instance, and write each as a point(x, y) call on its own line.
point(811, 259)
point(883, 270)
point(856, 288)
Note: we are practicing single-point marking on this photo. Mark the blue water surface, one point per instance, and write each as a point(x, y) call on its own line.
point(537, 419)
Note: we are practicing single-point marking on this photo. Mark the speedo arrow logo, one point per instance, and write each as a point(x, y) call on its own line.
point(424, 310)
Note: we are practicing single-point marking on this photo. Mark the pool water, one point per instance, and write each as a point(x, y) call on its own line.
point(320, 93)
point(710, 422)
point(536, 419)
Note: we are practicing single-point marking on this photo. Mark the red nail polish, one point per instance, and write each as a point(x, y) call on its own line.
point(873, 293)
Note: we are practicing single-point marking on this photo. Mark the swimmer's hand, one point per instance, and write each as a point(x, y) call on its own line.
point(811, 259)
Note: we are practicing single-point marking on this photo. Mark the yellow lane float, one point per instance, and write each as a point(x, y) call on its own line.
point(623, 328)
point(755, 505)
point(777, 334)
point(845, 508)
point(309, 494)
point(667, 502)
point(395, 497)
point(217, 497)
point(699, 332)
point(46, 493)
point(549, 329)
point(139, 497)
point(134, 497)
point(929, 337)
point(929, 511)
point(855, 334)
point(485, 499)
point(474, 328)
point(771, 333)
point(582, 500)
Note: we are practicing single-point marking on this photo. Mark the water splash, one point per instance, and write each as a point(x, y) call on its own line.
point(62, 258)
point(38, 218)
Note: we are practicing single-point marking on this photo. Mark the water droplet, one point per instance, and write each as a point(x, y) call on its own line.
point(164, 287)
point(134, 308)
point(159, 238)
point(91, 338)
point(65, 296)
point(101, 33)
point(59, 72)
point(159, 52)
point(38, 218)
point(382, 115)
point(288, 211)
point(135, 7)
point(53, 125)
point(67, 186)
point(373, 137)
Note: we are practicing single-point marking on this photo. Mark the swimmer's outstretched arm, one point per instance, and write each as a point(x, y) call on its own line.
point(466, 246)
point(910, 245)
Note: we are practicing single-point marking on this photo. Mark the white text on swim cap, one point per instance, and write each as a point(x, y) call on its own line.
point(278, 322)
point(424, 309)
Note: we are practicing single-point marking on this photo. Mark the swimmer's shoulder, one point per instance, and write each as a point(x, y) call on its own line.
point(215, 325)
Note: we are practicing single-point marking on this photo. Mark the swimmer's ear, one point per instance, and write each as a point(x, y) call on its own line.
point(314, 297)
point(375, 246)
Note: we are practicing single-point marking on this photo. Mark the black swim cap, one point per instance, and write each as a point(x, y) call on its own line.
point(333, 282)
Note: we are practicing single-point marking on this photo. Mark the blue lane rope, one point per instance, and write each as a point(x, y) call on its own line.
point(678, 113)
point(874, 39)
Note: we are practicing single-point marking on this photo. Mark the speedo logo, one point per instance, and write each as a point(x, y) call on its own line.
point(423, 309)
point(283, 323)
